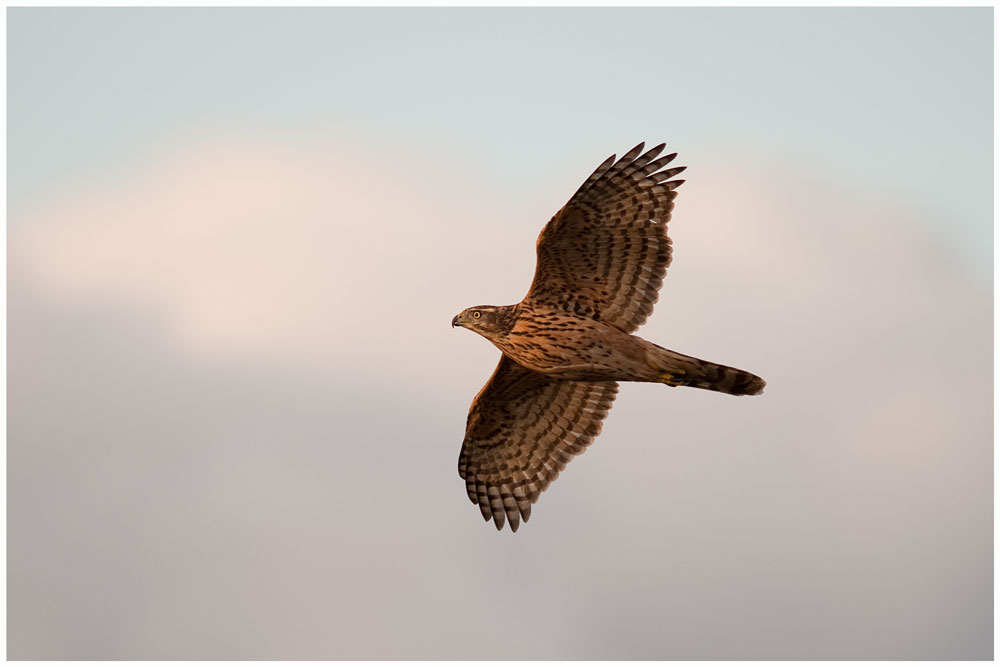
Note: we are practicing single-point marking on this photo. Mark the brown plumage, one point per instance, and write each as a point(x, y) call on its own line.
point(567, 344)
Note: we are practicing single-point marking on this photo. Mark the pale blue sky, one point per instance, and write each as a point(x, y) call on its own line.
point(893, 102)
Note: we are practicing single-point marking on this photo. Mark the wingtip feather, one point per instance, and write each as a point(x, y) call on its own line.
point(632, 154)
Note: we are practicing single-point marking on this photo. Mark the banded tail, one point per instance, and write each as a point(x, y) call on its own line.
point(679, 370)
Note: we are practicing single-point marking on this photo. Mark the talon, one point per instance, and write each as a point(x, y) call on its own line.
point(668, 379)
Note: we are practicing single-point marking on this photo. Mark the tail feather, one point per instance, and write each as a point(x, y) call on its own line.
point(680, 370)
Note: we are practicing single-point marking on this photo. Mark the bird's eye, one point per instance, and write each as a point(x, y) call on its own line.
point(477, 315)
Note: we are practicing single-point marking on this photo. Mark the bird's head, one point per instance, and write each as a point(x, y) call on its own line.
point(485, 320)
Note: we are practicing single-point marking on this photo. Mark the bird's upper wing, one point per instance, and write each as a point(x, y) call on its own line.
point(523, 428)
point(604, 254)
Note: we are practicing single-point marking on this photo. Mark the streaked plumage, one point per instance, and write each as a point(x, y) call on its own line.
point(567, 344)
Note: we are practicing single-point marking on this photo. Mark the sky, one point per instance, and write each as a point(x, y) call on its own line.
point(236, 240)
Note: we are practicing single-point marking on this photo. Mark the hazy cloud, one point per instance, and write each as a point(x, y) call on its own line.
point(236, 407)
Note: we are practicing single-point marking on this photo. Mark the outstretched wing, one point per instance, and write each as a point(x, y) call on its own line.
point(523, 428)
point(604, 254)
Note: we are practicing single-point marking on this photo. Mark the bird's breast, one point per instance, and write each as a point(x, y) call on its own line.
point(560, 346)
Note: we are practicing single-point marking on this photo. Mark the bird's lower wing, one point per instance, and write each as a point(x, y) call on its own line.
point(523, 428)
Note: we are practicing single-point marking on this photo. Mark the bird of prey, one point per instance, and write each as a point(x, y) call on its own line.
point(600, 263)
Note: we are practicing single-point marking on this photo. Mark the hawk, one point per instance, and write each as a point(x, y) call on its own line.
point(600, 263)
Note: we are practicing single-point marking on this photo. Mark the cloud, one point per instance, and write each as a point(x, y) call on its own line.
point(236, 401)
point(242, 251)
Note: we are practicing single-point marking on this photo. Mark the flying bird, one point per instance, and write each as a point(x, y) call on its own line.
point(565, 347)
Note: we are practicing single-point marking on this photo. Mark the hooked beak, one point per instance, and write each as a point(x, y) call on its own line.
point(454, 322)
